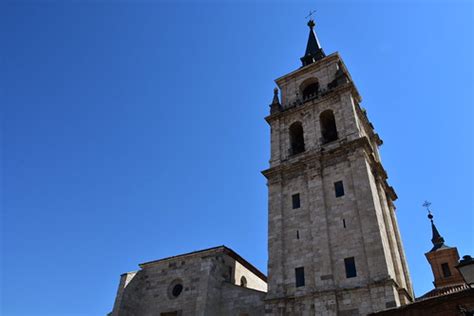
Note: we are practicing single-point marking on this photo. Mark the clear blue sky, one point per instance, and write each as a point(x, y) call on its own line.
point(134, 131)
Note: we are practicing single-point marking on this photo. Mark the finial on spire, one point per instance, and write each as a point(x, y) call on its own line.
point(436, 239)
point(275, 96)
point(311, 23)
point(427, 205)
point(275, 107)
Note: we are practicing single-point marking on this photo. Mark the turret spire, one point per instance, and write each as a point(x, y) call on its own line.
point(314, 52)
point(442, 258)
point(436, 239)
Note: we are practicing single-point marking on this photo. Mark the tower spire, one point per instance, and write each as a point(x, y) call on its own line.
point(436, 239)
point(314, 52)
point(442, 258)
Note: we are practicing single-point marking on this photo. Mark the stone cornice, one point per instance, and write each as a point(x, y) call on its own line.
point(311, 67)
point(315, 66)
point(325, 158)
point(335, 290)
point(369, 127)
point(209, 252)
point(331, 94)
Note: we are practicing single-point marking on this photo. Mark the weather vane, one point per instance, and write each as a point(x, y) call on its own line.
point(310, 15)
point(427, 204)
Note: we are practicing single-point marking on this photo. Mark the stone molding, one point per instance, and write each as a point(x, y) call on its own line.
point(334, 291)
point(332, 96)
point(325, 158)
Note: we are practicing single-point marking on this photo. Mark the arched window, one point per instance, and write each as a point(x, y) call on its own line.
point(310, 88)
point(296, 138)
point(243, 281)
point(328, 126)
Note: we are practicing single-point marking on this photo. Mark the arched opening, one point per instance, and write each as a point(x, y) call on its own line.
point(243, 281)
point(296, 138)
point(328, 126)
point(310, 88)
point(311, 91)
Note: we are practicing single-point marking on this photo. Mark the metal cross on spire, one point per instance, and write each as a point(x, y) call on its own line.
point(310, 15)
point(311, 23)
point(427, 205)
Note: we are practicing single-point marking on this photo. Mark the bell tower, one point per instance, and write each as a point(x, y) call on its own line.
point(333, 241)
point(442, 258)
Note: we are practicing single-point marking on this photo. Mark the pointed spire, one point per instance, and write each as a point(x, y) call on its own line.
point(275, 96)
point(436, 239)
point(314, 52)
point(275, 106)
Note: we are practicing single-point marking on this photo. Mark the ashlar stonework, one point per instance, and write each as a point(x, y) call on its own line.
point(206, 282)
point(327, 230)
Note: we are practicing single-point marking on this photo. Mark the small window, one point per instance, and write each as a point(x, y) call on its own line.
point(177, 289)
point(299, 275)
point(229, 277)
point(339, 188)
point(350, 267)
point(446, 270)
point(243, 281)
point(295, 198)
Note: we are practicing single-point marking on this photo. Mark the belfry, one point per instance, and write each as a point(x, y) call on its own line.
point(333, 240)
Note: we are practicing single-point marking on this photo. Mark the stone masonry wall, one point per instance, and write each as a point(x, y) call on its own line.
point(208, 283)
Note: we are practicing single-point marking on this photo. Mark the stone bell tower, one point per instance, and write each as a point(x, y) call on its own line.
point(333, 241)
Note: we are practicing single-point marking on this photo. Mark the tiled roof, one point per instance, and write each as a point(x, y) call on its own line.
point(443, 291)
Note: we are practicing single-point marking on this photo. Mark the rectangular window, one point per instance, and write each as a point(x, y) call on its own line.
point(350, 267)
point(339, 188)
point(446, 271)
point(296, 200)
point(299, 276)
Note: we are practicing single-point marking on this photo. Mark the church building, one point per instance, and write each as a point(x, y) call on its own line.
point(334, 245)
